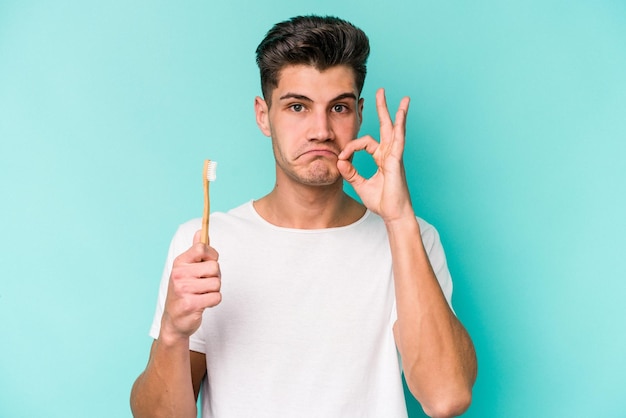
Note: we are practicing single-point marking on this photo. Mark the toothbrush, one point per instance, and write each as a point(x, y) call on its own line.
point(208, 175)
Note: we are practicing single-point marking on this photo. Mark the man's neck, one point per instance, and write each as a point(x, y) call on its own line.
point(309, 207)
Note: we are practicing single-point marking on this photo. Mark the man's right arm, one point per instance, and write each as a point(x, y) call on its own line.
point(170, 384)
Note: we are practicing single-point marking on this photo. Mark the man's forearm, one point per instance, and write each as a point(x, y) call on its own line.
point(165, 388)
point(437, 354)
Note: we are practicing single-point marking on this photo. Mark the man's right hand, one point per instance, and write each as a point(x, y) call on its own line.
point(194, 285)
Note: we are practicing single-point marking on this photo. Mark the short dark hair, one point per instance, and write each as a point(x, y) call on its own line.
point(318, 41)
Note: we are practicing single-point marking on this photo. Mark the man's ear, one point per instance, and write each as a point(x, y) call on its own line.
point(261, 110)
point(360, 110)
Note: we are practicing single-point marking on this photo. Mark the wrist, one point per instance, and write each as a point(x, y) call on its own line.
point(170, 337)
point(399, 211)
point(405, 223)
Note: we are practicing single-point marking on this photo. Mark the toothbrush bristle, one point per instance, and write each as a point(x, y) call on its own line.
point(211, 171)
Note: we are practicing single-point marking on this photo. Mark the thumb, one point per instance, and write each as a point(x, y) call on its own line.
point(349, 173)
point(197, 237)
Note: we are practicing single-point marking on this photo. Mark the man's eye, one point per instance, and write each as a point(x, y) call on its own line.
point(297, 107)
point(339, 108)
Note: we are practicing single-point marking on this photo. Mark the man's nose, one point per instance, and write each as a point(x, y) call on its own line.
point(320, 128)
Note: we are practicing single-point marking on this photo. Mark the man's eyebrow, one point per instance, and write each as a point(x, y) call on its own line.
point(342, 96)
point(295, 96)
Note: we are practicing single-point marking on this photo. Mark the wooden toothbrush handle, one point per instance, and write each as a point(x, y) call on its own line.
point(204, 237)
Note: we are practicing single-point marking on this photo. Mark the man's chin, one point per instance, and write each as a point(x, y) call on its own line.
point(322, 179)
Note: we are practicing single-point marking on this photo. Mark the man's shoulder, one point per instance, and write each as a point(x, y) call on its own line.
point(241, 214)
point(218, 220)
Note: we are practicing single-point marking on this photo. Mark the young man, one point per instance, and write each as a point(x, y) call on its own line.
point(324, 301)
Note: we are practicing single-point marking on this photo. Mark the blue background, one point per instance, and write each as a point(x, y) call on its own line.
point(516, 144)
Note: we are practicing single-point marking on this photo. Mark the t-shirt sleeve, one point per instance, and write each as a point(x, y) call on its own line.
point(182, 240)
point(437, 257)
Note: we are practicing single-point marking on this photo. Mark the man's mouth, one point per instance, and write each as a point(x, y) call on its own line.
point(322, 152)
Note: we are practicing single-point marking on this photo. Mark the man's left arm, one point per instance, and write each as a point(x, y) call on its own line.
point(438, 356)
point(437, 353)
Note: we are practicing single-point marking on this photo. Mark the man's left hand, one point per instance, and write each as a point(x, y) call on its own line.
point(386, 192)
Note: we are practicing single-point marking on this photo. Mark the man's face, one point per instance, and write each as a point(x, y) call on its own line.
point(312, 116)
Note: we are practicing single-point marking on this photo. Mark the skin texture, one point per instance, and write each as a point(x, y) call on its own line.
point(313, 120)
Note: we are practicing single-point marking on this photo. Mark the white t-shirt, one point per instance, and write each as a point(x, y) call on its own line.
point(304, 328)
